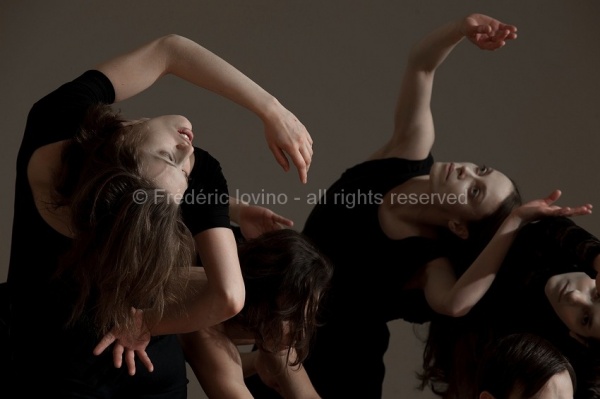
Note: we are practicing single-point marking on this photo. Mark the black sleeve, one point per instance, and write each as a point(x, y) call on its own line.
point(58, 115)
point(206, 201)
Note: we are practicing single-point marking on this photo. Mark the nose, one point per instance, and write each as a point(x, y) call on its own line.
point(464, 172)
point(575, 297)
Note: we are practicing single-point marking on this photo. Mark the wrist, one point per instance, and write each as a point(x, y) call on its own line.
point(270, 109)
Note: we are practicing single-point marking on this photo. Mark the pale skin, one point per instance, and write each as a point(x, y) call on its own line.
point(559, 386)
point(214, 356)
point(483, 187)
point(213, 352)
point(576, 301)
point(286, 136)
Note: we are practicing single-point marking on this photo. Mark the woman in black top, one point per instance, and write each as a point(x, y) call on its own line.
point(384, 223)
point(546, 286)
point(99, 244)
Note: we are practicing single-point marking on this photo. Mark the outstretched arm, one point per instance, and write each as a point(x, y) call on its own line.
point(447, 295)
point(137, 70)
point(414, 131)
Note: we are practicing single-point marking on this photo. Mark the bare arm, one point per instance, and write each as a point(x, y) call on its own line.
point(447, 295)
point(275, 372)
point(414, 132)
point(216, 291)
point(216, 363)
point(137, 70)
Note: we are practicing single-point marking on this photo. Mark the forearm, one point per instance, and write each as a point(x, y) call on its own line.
point(290, 382)
point(216, 364)
point(235, 209)
point(135, 71)
point(458, 299)
point(214, 292)
point(431, 51)
point(414, 131)
point(192, 62)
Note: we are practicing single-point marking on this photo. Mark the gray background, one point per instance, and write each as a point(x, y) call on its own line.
point(530, 109)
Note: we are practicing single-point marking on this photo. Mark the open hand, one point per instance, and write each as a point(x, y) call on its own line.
point(536, 209)
point(128, 344)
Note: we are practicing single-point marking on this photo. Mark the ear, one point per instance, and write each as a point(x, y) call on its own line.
point(486, 395)
point(579, 338)
point(458, 228)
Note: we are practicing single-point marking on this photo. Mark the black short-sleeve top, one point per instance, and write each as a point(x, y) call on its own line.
point(370, 268)
point(36, 247)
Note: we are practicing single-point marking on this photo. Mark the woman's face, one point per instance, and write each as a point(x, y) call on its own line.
point(167, 152)
point(575, 300)
point(469, 191)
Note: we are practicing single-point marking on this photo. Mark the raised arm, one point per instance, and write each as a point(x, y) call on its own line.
point(137, 70)
point(414, 131)
point(455, 297)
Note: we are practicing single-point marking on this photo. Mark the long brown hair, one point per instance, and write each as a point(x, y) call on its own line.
point(285, 278)
point(131, 247)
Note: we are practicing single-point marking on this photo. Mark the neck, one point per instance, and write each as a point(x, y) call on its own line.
point(413, 203)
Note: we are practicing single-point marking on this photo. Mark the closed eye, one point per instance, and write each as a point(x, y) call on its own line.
point(168, 156)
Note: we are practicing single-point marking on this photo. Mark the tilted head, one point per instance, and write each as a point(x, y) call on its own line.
point(524, 366)
point(574, 297)
point(125, 236)
point(475, 198)
point(166, 152)
point(285, 278)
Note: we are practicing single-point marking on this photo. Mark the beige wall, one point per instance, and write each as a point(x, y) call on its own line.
point(530, 109)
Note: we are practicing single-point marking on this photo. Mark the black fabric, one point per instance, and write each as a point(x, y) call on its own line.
point(4, 329)
point(346, 360)
point(63, 359)
point(206, 201)
point(516, 301)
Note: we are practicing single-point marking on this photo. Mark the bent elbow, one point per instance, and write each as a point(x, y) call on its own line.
point(233, 302)
point(453, 310)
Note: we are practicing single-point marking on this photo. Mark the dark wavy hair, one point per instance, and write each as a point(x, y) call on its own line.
point(452, 356)
point(285, 278)
point(521, 363)
point(126, 252)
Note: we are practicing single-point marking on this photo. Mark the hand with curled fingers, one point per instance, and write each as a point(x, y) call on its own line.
point(127, 344)
point(486, 32)
point(285, 134)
